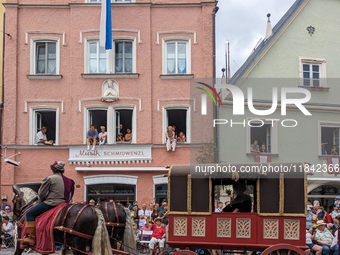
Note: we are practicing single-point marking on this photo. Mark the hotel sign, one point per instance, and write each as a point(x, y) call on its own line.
point(110, 154)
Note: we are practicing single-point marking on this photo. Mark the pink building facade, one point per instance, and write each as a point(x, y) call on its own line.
point(56, 75)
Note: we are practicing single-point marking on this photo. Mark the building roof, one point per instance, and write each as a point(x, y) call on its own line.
point(265, 44)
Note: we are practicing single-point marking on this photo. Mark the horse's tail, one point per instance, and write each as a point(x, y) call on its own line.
point(129, 237)
point(101, 242)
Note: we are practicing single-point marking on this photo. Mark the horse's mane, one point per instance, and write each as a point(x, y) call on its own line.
point(28, 194)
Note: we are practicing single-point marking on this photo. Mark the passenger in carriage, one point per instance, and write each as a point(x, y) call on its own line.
point(54, 190)
point(242, 202)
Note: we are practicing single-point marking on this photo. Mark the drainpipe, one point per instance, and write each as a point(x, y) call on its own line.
point(2, 87)
point(215, 10)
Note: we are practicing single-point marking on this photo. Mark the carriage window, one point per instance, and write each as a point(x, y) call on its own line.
point(45, 119)
point(330, 140)
point(262, 133)
point(178, 119)
point(120, 193)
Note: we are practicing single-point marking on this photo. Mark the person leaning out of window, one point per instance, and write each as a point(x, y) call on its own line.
point(42, 138)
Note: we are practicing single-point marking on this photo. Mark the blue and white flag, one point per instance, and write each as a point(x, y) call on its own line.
point(105, 37)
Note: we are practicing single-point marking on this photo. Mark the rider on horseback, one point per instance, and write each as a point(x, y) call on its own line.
point(54, 190)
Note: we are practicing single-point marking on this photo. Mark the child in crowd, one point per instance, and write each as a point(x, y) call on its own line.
point(136, 232)
point(146, 237)
point(102, 136)
point(120, 137)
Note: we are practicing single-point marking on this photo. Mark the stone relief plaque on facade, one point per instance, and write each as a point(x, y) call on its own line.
point(110, 91)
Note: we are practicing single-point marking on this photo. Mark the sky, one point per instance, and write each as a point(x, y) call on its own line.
point(243, 23)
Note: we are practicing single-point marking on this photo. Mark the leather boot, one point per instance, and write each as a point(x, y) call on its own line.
point(30, 234)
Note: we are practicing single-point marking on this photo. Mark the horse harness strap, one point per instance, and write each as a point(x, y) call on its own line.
point(111, 224)
point(71, 230)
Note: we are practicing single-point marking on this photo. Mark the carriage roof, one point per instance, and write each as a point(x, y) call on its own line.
point(275, 193)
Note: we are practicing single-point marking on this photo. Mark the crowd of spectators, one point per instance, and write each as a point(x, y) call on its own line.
point(152, 217)
point(322, 228)
point(7, 223)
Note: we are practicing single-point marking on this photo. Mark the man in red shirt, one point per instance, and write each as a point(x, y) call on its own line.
point(158, 235)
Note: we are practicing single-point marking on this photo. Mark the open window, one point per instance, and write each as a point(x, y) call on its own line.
point(48, 119)
point(179, 119)
point(98, 118)
point(262, 133)
point(123, 121)
point(329, 137)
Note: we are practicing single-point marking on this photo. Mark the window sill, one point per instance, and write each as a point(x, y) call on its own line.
point(262, 154)
point(44, 76)
point(108, 75)
point(176, 76)
point(328, 156)
point(315, 88)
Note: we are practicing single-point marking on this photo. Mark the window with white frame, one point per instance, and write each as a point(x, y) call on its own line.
point(176, 57)
point(96, 57)
point(261, 137)
point(119, 123)
point(121, 59)
point(179, 119)
point(313, 72)
point(45, 118)
point(45, 57)
point(329, 139)
point(123, 56)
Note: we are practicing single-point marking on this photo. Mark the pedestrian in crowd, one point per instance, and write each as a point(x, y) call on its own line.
point(4, 204)
point(327, 218)
point(255, 147)
point(163, 215)
point(145, 237)
point(41, 137)
point(143, 215)
point(337, 201)
point(158, 234)
point(102, 136)
point(133, 205)
point(318, 214)
point(325, 238)
point(220, 207)
point(136, 232)
point(160, 206)
point(150, 207)
point(92, 202)
point(135, 215)
point(7, 230)
point(335, 214)
point(334, 150)
point(8, 213)
point(154, 213)
point(92, 136)
point(170, 139)
point(309, 217)
point(310, 236)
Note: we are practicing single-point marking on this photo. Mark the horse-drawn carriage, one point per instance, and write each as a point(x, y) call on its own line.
point(276, 225)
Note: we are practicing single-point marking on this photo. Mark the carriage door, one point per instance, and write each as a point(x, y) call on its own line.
point(268, 140)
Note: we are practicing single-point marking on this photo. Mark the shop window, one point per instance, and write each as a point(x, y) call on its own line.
point(161, 193)
point(329, 138)
point(48, 119)
point(120, 193)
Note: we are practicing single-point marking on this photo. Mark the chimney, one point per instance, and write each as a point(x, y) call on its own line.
point(269, 31)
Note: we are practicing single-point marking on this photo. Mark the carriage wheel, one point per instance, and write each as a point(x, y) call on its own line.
point(283, 249)
point(184, 252)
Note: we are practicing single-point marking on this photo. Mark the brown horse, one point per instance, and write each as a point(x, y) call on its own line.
point(86, 224)
point(119, 226)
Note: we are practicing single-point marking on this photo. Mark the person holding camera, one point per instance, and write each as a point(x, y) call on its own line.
point(310, 235)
